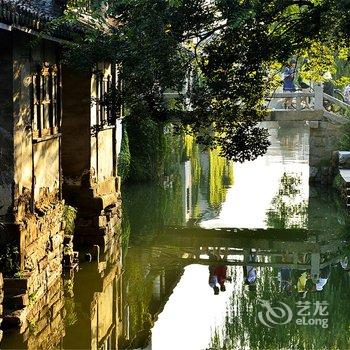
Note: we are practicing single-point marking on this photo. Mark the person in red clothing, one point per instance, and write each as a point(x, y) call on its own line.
point(218, 276)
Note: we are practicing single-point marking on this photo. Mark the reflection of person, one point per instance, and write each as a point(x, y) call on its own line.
point(302, 281)
point(344, 263)
point(218, 277)
point(285, 276)
point(323, 279)
point(249, 272)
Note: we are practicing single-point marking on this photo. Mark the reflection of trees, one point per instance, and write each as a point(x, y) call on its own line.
point(152, 206)
point(243, 330)
point(139, 297)
point(287, 209)
point(220, 177)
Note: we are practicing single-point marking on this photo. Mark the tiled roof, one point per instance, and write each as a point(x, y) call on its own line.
point(33, 14)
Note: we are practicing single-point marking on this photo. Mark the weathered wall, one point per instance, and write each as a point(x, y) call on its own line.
point(89, 151)
point(46, 167)
point(324, 138)
point(36, 161)
point(42, 326)
point(41, 250)
point(6, 124)
point(37, 208)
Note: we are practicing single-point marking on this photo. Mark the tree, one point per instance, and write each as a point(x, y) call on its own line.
point(228, 45)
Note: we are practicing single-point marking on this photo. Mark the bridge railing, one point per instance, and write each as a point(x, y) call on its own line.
point(298, 100)
point(308, 100)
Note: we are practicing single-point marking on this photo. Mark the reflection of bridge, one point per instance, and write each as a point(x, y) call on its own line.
point(160, 263)
point(296, 248)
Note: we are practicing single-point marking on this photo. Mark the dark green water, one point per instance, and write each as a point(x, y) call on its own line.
point(259, 223)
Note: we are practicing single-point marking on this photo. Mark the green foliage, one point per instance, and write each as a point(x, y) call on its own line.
point(33, 298)
point(124, 157)
point(9, 260)
point(287, 209)
point(227, 45)
point(146, 144)
point(69, 216)
point(344, 140)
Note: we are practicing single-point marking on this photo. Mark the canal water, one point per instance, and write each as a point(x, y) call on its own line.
point(220, 256)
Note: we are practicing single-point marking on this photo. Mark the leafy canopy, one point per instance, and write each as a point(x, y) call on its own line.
point(227, 49)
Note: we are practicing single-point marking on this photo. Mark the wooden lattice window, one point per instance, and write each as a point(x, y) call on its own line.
point(45, 101)
point(103, 89)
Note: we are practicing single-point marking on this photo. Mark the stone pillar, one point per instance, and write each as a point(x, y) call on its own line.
point(89, 147)
point(324, 137)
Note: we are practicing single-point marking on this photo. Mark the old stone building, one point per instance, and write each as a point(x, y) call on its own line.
point(36, 93)
point(91, 139)
point(30, 118)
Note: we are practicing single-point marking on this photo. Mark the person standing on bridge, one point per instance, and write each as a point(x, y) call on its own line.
point(346, 94)
point(288, 81)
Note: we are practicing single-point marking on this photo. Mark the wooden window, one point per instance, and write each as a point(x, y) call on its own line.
point(103, 89)
point(45, 101)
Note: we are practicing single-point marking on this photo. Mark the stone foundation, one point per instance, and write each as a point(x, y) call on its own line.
point(40, 260)
point(99, 211)
point(324, 137)
point(41, 323)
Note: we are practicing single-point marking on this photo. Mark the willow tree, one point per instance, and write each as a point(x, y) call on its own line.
point(227, 47)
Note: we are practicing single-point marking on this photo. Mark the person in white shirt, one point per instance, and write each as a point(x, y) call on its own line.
point(346, 93)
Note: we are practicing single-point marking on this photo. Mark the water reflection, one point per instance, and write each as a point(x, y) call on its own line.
point(198, 254)
point(287, 239)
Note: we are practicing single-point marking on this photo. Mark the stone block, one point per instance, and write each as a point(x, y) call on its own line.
point(344, 159)
point(313, 124)
point(57, 307)
point(43, 263)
